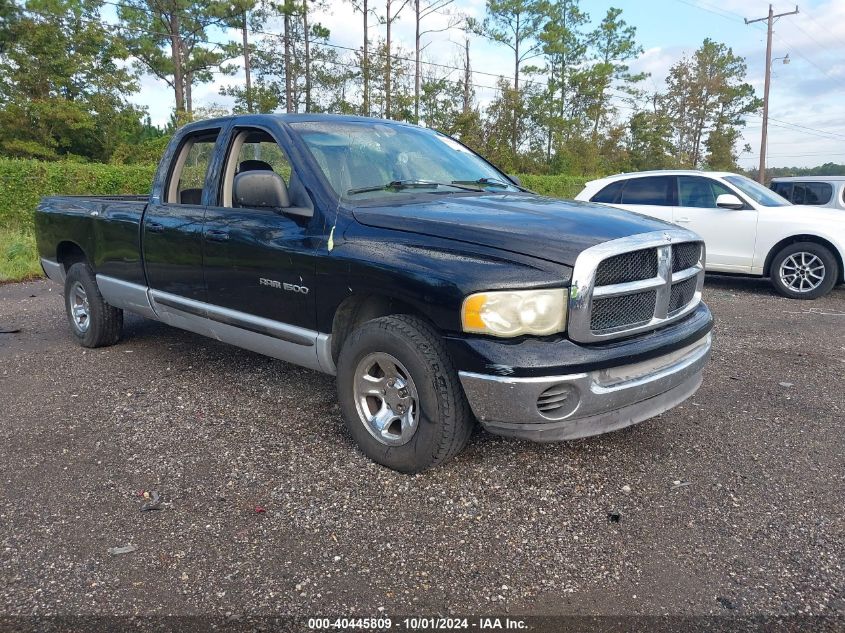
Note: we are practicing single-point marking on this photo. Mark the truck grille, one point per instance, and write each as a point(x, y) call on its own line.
point(682, 293)
point(627, 267)
point(634, 284)
point(613, 312)
point(685, 256)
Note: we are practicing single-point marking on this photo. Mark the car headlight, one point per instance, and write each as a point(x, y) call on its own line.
point(515, 312)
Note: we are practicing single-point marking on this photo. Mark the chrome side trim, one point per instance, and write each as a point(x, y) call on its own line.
point(242, 320)
point(126, 295)
point(584, 287)
point(54, 270)
point(290, 343)
point(286, 342)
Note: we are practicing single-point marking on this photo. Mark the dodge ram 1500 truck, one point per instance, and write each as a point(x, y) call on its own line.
point(436, 288)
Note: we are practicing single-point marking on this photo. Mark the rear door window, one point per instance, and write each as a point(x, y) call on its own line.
point(783, 189)
point(190, 169)
point(653, 190)
point(812, 193)
point(609, 194)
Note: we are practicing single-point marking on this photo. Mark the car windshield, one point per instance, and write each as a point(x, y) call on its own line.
point(757, 192)
point(368, 159)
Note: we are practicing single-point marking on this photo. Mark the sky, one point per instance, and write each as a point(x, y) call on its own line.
point(807, 96)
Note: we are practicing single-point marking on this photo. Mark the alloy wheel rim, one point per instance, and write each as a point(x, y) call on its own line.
point(802, 272)
point(386, 399)
point(80, 310)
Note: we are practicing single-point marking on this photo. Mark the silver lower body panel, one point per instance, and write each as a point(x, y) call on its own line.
point(54, 270)
point(290, 343)
point(593, 402)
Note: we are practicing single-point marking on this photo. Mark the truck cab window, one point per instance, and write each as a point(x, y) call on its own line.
point(257, 150)
point(190, 169)
point(258, 154)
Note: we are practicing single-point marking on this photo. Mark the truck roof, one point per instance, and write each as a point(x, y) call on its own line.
point(809, 179)
point(291, 118)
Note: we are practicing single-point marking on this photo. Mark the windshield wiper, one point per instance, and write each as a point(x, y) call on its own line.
point(412, 184)
point(489, 182)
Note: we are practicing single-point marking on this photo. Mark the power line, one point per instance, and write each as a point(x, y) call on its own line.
point(754, 156)
point(812, 37)
point(801, 55)
point(829, 133)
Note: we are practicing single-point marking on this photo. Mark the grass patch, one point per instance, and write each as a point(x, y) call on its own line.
point(557, 186)
point(18, 256)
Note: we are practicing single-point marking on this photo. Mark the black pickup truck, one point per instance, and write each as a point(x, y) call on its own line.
point(436, 288)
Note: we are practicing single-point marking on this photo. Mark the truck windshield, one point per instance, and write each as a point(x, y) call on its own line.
point(368, 159)
point(757, 192)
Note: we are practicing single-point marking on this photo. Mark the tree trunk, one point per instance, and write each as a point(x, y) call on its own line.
point(247, 75)
point(515, 85)
point(288, 87)
point(563, 65)
point(467, 77)
point(176, 56)
point(366, 68)
point(550, 129)
point(387, 4)
point(307, 56)
point(417, 63)
point(189, 101)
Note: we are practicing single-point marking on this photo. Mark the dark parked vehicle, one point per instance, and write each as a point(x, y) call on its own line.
point(435, 287)
point(822, 191)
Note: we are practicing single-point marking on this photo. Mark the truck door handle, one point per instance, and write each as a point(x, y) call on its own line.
point(217, 236)
point(155, 227)
point(682, 220)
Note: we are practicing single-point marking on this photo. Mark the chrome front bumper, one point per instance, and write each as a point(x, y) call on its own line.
point(580, 405)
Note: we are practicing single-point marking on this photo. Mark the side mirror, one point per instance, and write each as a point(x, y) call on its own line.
point(260, 190)
point(515, 180)
point(729, 201)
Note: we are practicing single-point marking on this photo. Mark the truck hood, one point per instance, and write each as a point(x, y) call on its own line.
point(554, 230)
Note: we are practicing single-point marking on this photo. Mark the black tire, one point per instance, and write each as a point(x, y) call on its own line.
point(444, 419)
point(830, 273)
point(104, 322)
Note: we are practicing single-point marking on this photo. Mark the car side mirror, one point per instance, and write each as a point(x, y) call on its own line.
point(515, 179)
point(260, 190)
point(729, 201)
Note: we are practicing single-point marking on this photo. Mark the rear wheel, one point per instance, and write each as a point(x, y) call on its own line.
point(93, 322)
point(804, 270)
point(400, 395)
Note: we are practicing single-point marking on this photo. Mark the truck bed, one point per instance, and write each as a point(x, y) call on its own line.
point(107, 228)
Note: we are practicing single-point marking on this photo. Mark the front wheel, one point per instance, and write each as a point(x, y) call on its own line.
point(93, 322)
point(804, 270)
point(400, 395)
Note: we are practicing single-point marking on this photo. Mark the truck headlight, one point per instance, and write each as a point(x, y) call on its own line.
point(508, 313)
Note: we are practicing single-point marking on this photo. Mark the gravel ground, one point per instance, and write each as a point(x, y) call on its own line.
point(267, 507)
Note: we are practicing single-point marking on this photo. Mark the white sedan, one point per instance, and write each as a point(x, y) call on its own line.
point(747, 228)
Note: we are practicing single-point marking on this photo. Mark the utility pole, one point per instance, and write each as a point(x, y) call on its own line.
point(770, 19)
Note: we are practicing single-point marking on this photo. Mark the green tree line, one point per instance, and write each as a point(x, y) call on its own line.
point(570, 104)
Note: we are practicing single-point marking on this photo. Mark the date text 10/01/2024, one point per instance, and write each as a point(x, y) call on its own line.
point(416, 624)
